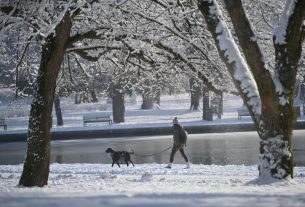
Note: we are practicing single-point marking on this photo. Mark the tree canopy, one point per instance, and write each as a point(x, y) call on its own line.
point(251, 47)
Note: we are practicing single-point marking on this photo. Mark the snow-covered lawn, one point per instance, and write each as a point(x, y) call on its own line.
point(96, 185)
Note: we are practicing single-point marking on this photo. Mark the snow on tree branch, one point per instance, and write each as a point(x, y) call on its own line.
point(280, 31)
point(232, 56)
point(288, 39)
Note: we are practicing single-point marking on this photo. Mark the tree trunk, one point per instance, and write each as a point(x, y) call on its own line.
point(93, 96)
point(302, 90)
point(118, 105)
point(148, 102)
point(207, 113)
point(37, 162)
point(76, 99)
point(195, 94)
point(274, 118)
point(59, 118)
point(275, 131)
point(157, 99)
point(219, 105)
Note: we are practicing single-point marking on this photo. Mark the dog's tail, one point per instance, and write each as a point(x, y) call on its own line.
point(131, 152)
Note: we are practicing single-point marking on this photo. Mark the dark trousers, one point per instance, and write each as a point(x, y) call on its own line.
point(175, 148)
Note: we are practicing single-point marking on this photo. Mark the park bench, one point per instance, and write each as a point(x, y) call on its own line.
point(243, 111)
point(90, 119)
point(2, 123)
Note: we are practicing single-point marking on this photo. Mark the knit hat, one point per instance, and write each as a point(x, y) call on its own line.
point(175, 120)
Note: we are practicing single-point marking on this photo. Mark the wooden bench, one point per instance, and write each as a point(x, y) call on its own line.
point(96, 119)
point(2, 123)
point(242, 112)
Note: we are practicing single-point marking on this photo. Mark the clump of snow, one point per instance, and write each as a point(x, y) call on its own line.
point(283, 98)
point(65, 176)
point(146, 177)
point(108, 175)
point(11, 176)
point(273, 182)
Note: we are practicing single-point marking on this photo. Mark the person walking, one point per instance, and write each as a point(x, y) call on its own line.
point(180, 138)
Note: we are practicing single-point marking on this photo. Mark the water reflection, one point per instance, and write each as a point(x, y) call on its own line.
point(219, 149)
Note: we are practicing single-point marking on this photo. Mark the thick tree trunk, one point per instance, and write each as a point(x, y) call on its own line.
point(275, 131)
point(275, 119)
point(118, 105)
point(194, 101)
point(207, 113)
point(59, 118)
point(148, 102)
point(93, 96)
point(195, 94)
point(76, 98)
point(37, 162)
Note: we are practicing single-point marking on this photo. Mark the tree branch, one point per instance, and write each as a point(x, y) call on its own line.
point(288, 43)
point(200, 75)
point(231, 56)
point(250, 47)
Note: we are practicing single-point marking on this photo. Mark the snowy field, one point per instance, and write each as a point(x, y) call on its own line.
point(96, 185)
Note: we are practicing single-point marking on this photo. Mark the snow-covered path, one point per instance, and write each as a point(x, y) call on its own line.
point(150, 185)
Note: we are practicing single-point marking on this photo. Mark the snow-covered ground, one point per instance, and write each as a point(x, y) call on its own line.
point(171, 106)
point(152, 185)
point(96, 185)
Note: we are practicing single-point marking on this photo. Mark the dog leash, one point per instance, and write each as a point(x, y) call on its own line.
point(154, 153)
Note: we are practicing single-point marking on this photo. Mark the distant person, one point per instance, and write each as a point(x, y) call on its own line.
point(180, 137)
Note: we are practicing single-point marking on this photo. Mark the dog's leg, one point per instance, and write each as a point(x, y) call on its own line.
point(118, 164)
point(112, 164)
point(126, 161)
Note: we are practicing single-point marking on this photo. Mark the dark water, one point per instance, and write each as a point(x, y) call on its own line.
point(219, 149)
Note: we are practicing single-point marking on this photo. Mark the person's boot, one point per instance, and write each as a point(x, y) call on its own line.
point(169, 166)
point(188, 165)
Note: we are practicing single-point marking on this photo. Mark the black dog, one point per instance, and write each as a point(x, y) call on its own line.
point(117, 155)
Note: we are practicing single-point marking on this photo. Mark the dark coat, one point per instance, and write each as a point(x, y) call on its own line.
point(180, 135)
